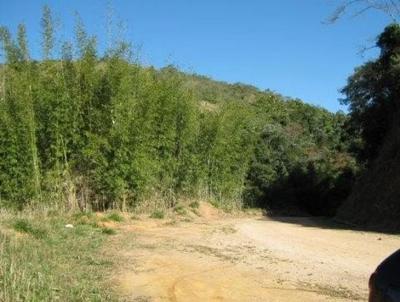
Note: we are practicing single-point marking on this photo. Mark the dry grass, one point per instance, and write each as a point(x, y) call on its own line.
point(42, 260)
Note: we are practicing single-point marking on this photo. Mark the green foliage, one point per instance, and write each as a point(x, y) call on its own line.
point(22, 42)
point(47, 24)
point(115, 217)
point(97, 131)
point(108, 231)
point(157, 214)
point(180, 210)
point(194, 204)
point(372, 94)
point(299, 164)
point(24, 226)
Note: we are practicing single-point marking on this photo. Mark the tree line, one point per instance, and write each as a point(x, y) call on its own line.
point(373, 94)
point(80, 128)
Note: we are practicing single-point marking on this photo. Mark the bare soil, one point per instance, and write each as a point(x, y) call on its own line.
point(252, 258)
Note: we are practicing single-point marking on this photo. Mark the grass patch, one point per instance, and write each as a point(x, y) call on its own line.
point(108, 231)
point(86, 218)
point(215, 203)
point(158, 214)
point(194, 205)
point(24, 226)
point(55, 263)
point(80, 214)
point(180, 210)
point(228, 206)
point(114, 216)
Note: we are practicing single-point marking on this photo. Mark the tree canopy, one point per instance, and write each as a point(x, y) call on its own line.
point(372, 94)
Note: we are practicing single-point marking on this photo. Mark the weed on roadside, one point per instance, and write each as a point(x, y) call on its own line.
point(157, 214)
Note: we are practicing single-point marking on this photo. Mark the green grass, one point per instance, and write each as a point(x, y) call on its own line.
point(108, 231)
point(24, 226)
point(114, 216)
point(50, 262)
point(79, 215)
point(228, 206)
point(86, 218)
point(194, 205)
point(157, 214)
point(180, 210)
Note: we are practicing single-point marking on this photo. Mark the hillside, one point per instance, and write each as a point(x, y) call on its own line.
point(301, 162)
point(80, 128)
point(240, 144)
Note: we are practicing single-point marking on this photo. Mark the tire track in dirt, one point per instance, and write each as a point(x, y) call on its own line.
point(246, 259)
point(172, 289)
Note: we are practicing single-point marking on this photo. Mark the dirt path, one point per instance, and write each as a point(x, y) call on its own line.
point(246, 259)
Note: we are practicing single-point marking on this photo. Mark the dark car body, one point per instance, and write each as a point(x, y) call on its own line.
point(384, 283)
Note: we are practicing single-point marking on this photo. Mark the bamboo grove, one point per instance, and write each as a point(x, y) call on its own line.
point(84, 128)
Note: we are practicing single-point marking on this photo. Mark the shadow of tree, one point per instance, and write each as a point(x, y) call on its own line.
point(326, 223)
point(306, 191)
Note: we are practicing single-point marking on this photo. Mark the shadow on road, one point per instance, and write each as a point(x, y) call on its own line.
point(325, 223)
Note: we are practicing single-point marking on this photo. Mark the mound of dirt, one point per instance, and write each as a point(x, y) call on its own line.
point(208, 211)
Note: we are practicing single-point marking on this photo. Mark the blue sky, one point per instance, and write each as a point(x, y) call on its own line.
point(279, 45)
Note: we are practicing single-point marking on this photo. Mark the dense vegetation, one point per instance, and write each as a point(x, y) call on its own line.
point(373, 93)
point(84, 129)
point(80, 128)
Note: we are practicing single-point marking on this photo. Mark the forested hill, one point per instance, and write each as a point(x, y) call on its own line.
point(373, 95)
point(89, 129)
point(212, 91)
point(301, 161)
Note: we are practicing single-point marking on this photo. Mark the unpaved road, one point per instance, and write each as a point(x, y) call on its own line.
point(246, 259)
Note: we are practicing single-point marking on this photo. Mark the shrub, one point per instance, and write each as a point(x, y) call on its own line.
point(24, 226)
point(108, 231)
point(194, 204)
point(115, 217)
point(157, 214)
point(180, 210)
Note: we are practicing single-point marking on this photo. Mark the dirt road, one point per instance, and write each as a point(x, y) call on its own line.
point(246, 259)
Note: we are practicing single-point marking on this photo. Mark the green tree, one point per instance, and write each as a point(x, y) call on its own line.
point(20, 173)
point(372, 94)
point(48, 38)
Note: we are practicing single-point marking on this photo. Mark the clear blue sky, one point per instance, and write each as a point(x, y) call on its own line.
point(280, 45)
